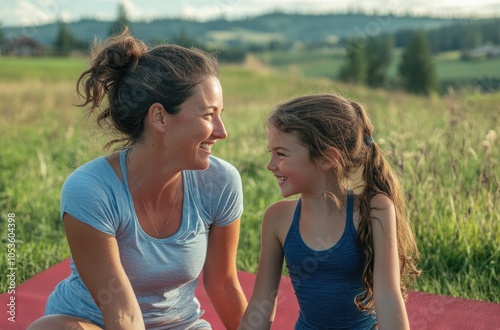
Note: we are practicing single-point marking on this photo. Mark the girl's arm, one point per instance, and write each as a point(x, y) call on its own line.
point(97, 259)
point(389, 304)
point(220, 276)
point(262, 306)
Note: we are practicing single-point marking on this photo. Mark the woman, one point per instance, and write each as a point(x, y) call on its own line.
point(143, 222)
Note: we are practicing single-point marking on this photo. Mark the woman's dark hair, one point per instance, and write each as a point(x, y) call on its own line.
point(125, 78)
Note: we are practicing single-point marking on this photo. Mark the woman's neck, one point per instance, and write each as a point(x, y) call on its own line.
point(149, 173)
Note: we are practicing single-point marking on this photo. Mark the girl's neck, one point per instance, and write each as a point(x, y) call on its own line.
point(324, 203)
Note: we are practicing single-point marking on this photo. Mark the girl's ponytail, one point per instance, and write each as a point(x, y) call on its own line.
point(380, 178)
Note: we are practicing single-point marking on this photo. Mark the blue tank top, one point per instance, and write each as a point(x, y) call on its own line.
point(326, 281)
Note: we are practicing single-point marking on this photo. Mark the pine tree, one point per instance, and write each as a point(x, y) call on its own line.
point(2, 38)
point(354, 69)
point(65, 41)
point(417, 70)
point(121, 22)
point(378, 55)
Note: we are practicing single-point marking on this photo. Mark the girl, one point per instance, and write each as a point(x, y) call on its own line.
point(349, 255)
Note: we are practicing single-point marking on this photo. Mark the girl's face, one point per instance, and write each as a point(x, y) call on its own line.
point(291, 165)
point(198, 126)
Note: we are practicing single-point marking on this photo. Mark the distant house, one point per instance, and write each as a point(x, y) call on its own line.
point(22, 46)
point(485, 51)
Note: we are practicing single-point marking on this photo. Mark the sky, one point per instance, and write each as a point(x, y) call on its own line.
point(38, 12)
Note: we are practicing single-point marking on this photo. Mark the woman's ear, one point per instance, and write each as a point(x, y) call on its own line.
point(157, 116)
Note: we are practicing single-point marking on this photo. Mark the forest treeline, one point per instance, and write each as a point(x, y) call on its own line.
point(368, 41)
point(281, 31)
point(464, 35)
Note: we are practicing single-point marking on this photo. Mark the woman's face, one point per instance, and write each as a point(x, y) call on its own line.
point(196, 128)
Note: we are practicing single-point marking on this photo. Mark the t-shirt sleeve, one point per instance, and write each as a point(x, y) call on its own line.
point(227, 195)
point(86, 199)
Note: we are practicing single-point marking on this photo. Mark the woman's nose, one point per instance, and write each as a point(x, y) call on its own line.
point(219, 129)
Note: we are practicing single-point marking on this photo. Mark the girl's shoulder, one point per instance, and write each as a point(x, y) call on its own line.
point(278, 218)
point(382, 209)
point(381, 201)
point(282, 208)
point(381, 206)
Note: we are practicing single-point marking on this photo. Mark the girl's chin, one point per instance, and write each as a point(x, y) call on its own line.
point(286, 194)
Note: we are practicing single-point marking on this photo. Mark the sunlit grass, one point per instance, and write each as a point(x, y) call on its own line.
point(446, 151)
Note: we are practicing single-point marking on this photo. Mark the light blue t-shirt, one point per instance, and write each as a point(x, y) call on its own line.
point(163, 272)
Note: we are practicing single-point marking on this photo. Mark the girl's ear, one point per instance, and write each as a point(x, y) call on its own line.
point(331, 159)
point(157, 116)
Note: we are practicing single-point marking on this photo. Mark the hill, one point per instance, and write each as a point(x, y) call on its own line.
point(277, 27)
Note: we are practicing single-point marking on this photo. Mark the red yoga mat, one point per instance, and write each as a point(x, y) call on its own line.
point(425, 311)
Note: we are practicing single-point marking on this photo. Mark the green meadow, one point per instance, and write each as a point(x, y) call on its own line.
point(445, 149)
point(327, 63)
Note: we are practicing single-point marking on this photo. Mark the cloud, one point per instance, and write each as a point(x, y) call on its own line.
point(24, 13)
point(36, 12)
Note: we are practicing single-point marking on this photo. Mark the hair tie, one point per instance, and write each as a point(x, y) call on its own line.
point(369, 140)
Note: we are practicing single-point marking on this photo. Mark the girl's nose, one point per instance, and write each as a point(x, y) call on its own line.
point(270, 165)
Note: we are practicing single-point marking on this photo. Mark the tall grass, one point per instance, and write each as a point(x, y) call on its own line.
point(446, 151)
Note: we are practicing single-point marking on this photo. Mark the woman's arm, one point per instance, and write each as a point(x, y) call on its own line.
point(220, 276)
point(389, 303)
point(262, 306)
point(97, 259)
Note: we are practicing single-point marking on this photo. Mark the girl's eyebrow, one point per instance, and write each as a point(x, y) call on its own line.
point(277, 148)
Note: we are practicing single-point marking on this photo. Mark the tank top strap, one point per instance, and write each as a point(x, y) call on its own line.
point(350, 211)
point(296, 214)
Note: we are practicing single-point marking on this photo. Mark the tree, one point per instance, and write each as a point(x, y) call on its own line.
point(2, 38)
point(354, 69)
point(184, 39)
point(121, 22)
point(65, 41)
point(417, 70)
point(378, 55)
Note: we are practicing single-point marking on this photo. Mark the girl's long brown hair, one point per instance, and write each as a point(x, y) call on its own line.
point(329, 120)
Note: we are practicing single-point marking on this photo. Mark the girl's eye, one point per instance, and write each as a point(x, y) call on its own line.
point(279, 154)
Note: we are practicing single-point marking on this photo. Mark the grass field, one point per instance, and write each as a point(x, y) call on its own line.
point(446, 150)
point(327, 63)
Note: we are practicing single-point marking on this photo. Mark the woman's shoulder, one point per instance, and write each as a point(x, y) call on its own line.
point(91, 166)
point(97, 171)
point(219, 174)
point(221, 166)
